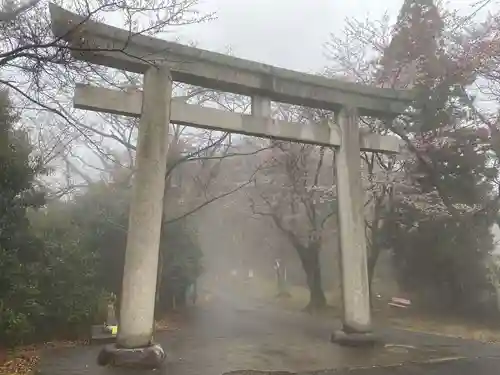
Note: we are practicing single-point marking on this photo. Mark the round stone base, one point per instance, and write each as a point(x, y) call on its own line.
point(353, 339)
point(150, 357)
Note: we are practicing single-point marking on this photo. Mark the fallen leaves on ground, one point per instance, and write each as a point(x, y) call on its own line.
point(464, 330)
point(20, 361)
point(162, 325)
point(170, 322)
point(23, 360)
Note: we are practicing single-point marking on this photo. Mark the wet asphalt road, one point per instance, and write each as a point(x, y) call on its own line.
point(230, 334)
point(483, 366)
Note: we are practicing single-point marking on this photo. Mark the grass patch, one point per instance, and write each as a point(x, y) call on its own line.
point(266, 290)
point(447, 327)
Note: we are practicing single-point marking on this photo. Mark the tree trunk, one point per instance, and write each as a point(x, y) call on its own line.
point(375, 245)
point(310, 262)
point(372, 262)
point(159, 281)
point(181, 297)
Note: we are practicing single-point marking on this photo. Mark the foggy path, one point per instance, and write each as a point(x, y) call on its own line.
point(231, 330)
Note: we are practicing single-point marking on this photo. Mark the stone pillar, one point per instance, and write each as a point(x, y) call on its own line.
point(353, 256)
point(261, 106)
point(135, 331)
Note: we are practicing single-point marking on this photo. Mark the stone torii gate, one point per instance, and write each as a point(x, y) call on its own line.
point(161, 62)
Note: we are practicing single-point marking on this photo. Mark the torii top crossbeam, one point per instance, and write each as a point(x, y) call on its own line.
point(110, 46)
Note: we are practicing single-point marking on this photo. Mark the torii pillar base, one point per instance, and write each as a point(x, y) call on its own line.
point(147, 358)
point(354, 339)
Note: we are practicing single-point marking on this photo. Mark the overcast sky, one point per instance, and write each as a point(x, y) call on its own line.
point(287, 33)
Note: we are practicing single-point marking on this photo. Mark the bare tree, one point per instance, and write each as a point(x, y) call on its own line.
point(40, 73)
point(10, 10)
point(295, 189)
point(82, 146)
